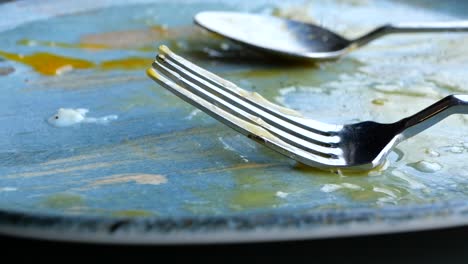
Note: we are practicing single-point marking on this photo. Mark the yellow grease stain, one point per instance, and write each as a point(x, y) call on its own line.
point(47, 63)
point(63, 201)
point(255, 198)
point(51, 64)
point(254, 191)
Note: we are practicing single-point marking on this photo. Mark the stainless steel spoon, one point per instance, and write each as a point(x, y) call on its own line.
point(297, 40)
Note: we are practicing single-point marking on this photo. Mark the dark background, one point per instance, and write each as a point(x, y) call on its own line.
point(437, 246)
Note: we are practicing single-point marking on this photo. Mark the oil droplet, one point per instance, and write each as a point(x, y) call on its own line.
point(432, 153)
point(281, 194)
point(379, 101)
point(426, 166)
point(456, 149)
point(47, 63)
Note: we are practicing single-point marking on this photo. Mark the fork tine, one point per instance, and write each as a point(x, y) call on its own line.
point(249, 129)
point(249, 105)
point(286, 114)
point(235, 95)
point(202, 89)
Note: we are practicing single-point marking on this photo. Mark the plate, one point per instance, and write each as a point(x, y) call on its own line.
point(128, 162)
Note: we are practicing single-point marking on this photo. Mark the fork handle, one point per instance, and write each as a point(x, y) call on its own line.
point(426, 27)
point(452, 104)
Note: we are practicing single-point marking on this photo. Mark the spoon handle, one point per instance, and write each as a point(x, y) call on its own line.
point(425, 27)
point(454, 26)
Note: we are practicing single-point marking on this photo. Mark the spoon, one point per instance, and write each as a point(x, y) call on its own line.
point(296, 40)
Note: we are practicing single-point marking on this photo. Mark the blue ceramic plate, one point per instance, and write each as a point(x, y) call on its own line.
point(141, 166)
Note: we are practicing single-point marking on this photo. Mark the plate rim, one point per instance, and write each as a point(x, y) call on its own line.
point(235, 228)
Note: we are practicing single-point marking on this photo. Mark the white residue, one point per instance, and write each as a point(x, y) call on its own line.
point(330, 187)
point(193, 114)
point(281, 194)
point(226, 146)
point(283, 92)
point(287, 90)
point(244, 158)
point(8, 189)
point(224, 46)
point(69, 116)
point(386, 200)
point(351, 186)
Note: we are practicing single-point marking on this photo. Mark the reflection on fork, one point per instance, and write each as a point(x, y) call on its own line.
point(359, 146)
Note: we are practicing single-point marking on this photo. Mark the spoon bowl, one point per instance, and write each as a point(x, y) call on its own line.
point(297, 40)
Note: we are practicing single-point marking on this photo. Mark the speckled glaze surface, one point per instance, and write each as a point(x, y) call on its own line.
point(165, 173)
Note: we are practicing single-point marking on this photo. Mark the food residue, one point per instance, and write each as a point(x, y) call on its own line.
point(151, 179)
point(139, 37)
point(32, 43)
point(68, 117)
point(300, 13)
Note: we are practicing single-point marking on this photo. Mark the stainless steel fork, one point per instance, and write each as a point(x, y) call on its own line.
point(359, 146)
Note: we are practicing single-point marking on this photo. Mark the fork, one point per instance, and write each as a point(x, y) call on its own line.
point(358, 146)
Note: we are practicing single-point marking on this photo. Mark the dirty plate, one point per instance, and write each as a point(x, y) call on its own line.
point(93, 150)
